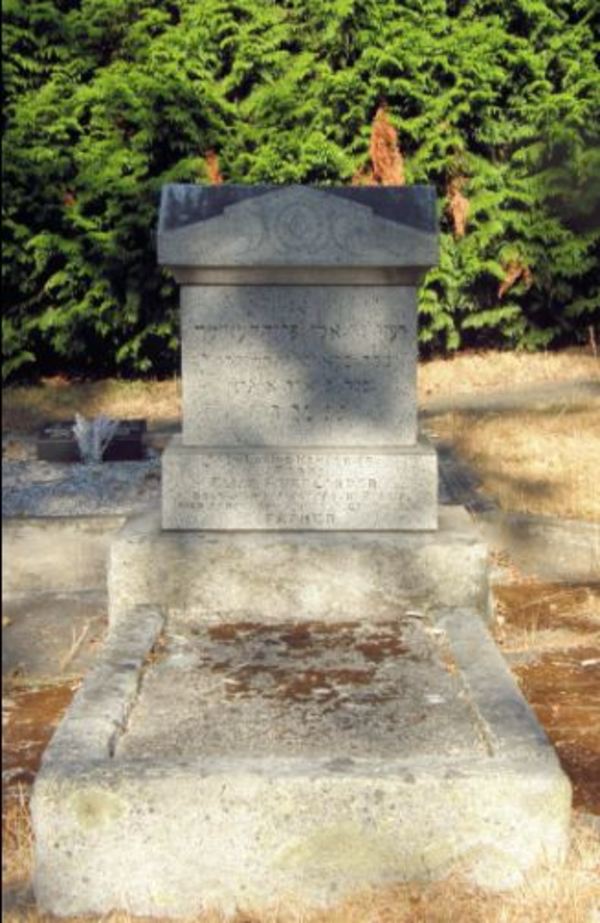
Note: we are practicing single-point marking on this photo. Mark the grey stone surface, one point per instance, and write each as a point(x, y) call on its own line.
point(546, 547)
point(301, 366)
point(308, 575)
point(158, 823)
point(50, 636)
point(59, 554)
point(297, 225)
point(299, 488)
point(314, 377)
point(250, 690)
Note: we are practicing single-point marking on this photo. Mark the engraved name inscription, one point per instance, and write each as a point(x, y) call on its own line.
point(304, 488)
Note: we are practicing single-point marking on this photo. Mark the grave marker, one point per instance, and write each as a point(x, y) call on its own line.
point(299, 346)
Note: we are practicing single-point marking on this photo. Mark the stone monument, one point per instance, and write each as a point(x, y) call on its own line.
point(298, 697)
point(299, 343)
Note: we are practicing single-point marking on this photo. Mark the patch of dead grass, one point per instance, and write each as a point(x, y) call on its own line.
point(542, 461)
point(546, 617)
point(569, 893)
point(491, 370)
point(17, 839)
point(26, 408)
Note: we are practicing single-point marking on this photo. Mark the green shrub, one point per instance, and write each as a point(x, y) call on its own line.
point(497, 105)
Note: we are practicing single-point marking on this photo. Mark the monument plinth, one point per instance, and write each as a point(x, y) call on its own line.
point(299, 350)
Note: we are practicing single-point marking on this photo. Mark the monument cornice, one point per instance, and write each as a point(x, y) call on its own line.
point(281, 226)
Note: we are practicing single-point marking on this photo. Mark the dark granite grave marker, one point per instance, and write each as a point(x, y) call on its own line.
point(56, 442)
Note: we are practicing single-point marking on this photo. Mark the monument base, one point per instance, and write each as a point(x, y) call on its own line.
point(299, 488)
point(267, 576)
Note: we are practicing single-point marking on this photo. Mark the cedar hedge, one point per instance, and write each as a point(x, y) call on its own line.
point(496, 104)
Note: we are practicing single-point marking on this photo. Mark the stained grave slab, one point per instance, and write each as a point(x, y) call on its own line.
point(292, 764)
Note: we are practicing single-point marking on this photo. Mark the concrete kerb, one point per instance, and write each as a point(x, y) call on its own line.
point(176, 837)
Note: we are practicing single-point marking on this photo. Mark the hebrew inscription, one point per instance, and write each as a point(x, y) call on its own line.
point(264, 365)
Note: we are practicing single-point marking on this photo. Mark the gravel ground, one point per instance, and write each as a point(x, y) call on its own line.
point(37, 488)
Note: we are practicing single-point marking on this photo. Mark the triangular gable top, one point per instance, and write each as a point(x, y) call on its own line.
point(261, 226)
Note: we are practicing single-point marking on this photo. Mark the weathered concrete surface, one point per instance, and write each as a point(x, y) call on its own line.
point(314, 575)
point(549, 548)
point(299, 488)
point(313, 380)
point(249, 690)
point(60, 554)
point(176, 782)
point(67, 553)
point(52, 636)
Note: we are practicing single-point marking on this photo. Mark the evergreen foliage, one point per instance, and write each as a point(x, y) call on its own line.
point(496, 104)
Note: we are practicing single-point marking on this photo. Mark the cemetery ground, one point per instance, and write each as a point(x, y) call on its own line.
point(527, 428)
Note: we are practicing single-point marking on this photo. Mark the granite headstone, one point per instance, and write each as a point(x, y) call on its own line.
point(299, 348)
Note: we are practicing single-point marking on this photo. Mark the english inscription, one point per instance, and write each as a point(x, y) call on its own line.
point(328, 489)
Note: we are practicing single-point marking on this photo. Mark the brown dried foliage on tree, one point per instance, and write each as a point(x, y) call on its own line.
point(458, 205)
point(515, 270)
point(212, 168)
point(387, 163)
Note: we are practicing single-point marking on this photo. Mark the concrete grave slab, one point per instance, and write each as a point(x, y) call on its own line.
point(50, 635)
point(53, 489)
point(297, 698)
point(249, 765)
point(56, 554)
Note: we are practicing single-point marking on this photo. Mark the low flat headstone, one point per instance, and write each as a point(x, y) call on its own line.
point(56, 442)
point(299, 349)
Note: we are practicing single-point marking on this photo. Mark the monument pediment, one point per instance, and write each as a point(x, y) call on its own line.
point(239, 226)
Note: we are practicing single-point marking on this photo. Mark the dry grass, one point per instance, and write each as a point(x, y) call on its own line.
point(546, 617)
point(479, 372)
point(569, 893)
point(28, 407)
point(542, 461)
point(17, 840)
